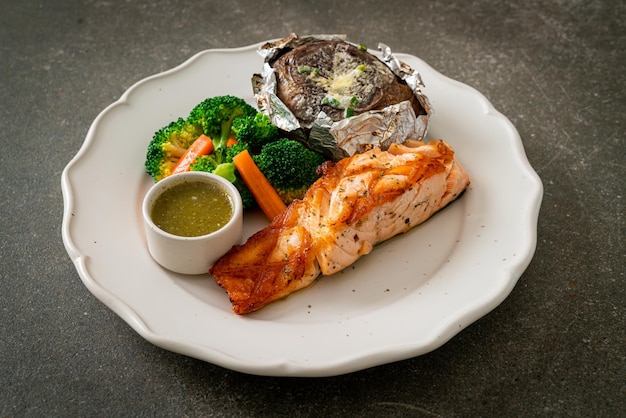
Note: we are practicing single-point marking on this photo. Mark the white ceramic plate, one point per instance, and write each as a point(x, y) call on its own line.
point(409, 296)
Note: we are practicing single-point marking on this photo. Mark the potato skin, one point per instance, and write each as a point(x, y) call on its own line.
point(309, 74)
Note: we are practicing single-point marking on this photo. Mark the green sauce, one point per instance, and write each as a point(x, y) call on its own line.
point(192, 209)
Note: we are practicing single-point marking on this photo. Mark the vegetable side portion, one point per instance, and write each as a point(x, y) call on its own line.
point(219, 129)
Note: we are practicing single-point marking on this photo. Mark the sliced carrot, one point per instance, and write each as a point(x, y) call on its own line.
point(203, 145)
point(264, 193)
point(230, 142)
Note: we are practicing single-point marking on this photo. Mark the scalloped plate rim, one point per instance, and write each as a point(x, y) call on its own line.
point(294, 366)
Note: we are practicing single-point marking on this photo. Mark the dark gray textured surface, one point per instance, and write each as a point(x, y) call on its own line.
point(555, 347)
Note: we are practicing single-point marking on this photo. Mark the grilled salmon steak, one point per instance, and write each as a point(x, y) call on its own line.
point(357, 203)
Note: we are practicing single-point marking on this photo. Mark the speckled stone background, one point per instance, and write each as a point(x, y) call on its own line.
point(555, 347)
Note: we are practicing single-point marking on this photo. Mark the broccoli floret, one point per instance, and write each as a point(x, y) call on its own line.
point(234, 150)
point(220, 161)
point(209, 164)
point(167, 145)
point(206, 163)
point(256, 130)
point(216, 116)
point(247, 198)
point(289, 166)
point(226, 170)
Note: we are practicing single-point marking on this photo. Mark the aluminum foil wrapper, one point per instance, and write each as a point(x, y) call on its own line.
point(336, 140)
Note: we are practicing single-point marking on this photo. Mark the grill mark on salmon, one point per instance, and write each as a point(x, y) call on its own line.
point(357, 203)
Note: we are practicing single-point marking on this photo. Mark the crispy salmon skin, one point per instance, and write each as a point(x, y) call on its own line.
point(357, 203)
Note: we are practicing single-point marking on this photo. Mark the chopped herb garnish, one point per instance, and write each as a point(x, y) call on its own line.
point(332, 102)
point(308, 70)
